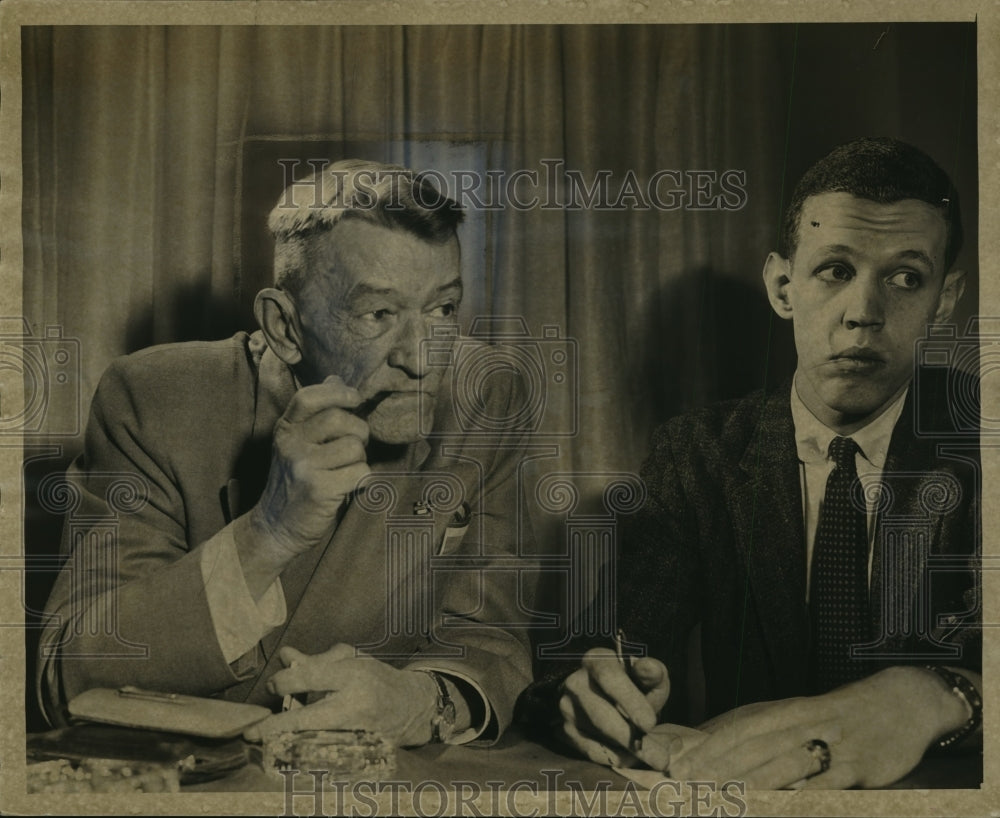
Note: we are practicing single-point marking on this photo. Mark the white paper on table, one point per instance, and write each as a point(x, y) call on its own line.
point(665, 733)
point(646, 779)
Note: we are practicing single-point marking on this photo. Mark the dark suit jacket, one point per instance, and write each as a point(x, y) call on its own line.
point(721, 543)
point(192, 423)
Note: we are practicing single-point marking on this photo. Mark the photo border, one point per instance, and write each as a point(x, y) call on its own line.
point(17, 13)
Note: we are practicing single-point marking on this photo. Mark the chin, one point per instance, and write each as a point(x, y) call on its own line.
point(395, 428)
point(858, 407)
point(395, 437)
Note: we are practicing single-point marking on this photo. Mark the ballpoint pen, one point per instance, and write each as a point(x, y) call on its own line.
point(636, 733)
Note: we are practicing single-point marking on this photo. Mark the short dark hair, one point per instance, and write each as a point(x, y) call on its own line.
point(883, 170)
point(388, 195)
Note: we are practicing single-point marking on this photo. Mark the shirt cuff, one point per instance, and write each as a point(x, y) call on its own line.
point(239, 621)
point(475, 731)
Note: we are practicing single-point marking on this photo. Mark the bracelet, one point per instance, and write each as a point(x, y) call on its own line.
point(967, 692)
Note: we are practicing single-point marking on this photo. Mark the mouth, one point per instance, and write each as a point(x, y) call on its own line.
point(857, 359)
point(392, 395)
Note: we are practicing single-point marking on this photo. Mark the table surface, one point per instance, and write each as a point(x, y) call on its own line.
point(517, 759)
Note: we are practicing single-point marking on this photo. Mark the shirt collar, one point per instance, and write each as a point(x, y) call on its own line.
point(812, 437)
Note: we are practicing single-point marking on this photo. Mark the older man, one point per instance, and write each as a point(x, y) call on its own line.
point(273, 466)
point(825, 537)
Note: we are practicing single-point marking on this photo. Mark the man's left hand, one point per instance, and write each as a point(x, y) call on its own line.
point(877, 730)
point(351, 692)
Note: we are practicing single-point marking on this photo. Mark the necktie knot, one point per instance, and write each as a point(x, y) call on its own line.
point(842, 451)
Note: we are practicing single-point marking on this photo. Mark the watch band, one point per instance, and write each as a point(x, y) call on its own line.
point(967, 692)
point(443, 723)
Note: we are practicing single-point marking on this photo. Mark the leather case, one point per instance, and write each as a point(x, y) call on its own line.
point(170, 712)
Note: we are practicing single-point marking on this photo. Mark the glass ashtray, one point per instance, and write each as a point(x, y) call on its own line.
point(344, 754)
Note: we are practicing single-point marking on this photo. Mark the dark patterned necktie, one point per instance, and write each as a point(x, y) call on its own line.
point(838, 593)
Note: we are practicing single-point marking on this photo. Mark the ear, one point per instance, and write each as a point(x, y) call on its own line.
point(951, 292)
point(777, 277)
point(278, 317)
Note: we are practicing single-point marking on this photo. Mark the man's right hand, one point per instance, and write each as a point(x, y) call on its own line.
point(599, 697)
point(318, 458)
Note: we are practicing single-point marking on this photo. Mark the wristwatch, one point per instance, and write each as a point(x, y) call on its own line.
point(964, 689)
point(443, 722)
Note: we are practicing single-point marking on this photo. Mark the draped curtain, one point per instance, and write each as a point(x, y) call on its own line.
point(134, 143)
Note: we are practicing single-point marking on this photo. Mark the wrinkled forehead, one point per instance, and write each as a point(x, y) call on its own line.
point(893, 227)
point(359, 253)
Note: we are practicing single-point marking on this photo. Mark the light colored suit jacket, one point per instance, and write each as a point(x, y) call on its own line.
point(190, 425)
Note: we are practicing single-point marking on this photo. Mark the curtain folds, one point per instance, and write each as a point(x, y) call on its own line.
point(135, 151)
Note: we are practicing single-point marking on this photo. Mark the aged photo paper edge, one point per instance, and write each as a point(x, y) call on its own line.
point(14, 14)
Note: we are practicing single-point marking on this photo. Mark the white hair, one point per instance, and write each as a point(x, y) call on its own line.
point(388, 195)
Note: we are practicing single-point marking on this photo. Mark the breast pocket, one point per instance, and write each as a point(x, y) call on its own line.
point(455, 530)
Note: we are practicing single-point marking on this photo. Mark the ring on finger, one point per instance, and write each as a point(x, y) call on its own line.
point(820, 751)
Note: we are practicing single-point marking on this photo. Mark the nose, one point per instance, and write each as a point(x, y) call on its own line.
point(865, 305)
point(406, 352)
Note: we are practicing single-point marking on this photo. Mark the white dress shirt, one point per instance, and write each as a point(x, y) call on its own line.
point(812, 442)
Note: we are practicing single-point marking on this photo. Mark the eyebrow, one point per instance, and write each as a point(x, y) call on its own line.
point(917, 255)
point(836, 248)
point(914, 255)
point(454, 284)
point(361, 290)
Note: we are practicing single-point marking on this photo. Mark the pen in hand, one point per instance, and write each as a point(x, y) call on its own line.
point(636, 733)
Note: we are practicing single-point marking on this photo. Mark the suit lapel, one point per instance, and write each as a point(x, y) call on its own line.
point(905, 523)
point(342, 593)
point(769, 533)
